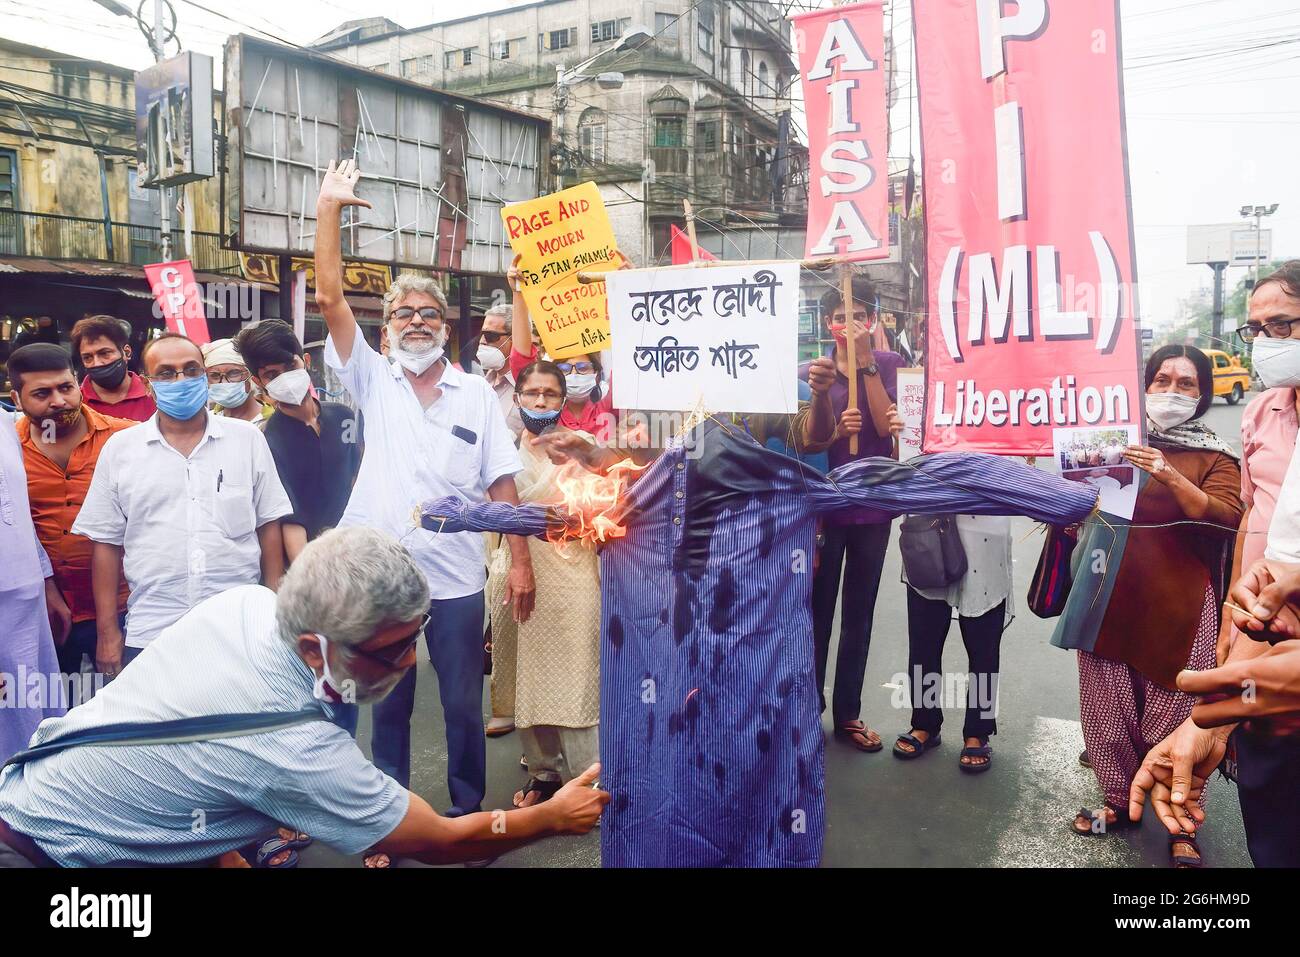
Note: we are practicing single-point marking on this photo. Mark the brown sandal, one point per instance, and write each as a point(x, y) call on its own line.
point(858, 734)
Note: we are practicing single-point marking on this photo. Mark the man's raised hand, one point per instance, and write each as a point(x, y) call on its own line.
point(338, 186)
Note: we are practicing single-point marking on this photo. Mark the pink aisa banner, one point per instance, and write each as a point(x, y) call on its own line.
point(842, 64)
point(1030, 269)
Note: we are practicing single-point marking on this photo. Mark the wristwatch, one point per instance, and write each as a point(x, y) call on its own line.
point(871, 370)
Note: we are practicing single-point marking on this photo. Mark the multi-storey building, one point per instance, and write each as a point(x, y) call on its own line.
point(703, 111)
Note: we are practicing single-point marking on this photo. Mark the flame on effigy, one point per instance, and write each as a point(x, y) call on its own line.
point(589, 503)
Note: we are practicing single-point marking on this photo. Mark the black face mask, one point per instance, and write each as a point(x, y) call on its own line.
point(109, 376)
point(539, 424)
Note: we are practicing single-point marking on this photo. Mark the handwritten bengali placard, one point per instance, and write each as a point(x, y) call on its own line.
point(911, 407)
point(557, 237)
point(726, 337)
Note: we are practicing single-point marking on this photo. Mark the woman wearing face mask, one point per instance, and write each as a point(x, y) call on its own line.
point(588, 407)
point(230, 389)
point(553, 690)
point(1147, 595)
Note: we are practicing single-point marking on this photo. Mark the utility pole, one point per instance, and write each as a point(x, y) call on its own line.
point(166, 219)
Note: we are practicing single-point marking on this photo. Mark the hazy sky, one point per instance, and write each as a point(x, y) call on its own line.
point(1213, 111)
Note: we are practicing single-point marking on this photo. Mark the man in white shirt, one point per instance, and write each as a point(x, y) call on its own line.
point(431, 431)
point(345, 626)
point(187, 504)
point(494, 360)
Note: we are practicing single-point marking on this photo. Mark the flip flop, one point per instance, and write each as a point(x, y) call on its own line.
point(983, 751)
point(856, 733)
point(270, 849)
point(546, 789)
point(919, 746)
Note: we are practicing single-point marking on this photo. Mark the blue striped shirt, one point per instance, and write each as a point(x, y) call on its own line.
point(180, 803)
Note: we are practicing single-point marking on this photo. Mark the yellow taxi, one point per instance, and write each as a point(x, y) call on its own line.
point(1231, 378)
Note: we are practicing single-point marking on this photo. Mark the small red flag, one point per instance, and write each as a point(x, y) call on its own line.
point(682, 248)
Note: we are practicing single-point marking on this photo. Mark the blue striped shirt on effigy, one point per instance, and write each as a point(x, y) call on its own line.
point(710, 733)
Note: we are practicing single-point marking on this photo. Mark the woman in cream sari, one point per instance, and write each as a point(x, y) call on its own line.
point(553, 690)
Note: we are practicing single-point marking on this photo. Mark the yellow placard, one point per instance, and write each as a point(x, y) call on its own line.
point(556, 237)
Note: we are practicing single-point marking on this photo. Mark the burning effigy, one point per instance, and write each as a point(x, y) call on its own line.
point(710, 729)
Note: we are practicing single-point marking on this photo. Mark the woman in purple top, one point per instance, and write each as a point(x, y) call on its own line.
point(858, 538)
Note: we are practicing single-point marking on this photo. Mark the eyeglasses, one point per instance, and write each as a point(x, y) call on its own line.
point(491, 337)
point(406, 314)
point(534, 395)
point(239, 375)
point(171, 375)
point(582, 368)
point(391, 655)
point(1276, 329)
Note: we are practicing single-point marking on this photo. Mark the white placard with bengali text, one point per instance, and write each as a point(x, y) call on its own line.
point(725, 338)
point(911, 406)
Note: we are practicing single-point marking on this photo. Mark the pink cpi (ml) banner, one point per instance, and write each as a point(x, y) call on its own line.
point(178, 298)
point(842, 63)
point(1031, 272)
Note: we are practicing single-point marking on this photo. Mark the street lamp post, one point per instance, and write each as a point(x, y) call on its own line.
point(1258, 212)
point(635, 38)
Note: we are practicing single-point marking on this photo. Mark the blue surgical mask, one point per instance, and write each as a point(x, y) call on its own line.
point(228, 395)
point(538, 423)
point(183, 399)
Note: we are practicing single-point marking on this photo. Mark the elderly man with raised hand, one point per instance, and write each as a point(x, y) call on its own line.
point(225, 728)
point(431, 431)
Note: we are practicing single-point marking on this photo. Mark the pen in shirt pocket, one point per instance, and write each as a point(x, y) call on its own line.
point(221, 475)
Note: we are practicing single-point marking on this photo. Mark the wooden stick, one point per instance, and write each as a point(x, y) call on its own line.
point(846, 292)
point(690, 230)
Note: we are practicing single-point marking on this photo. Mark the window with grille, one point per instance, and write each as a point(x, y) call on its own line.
point(670, 131)
point(707, 140)
point(558, 39)
point(607, 30)
point(592, 131)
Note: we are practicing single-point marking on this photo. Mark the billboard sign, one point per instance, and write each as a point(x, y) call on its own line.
point(437, 168)
point(173, 121)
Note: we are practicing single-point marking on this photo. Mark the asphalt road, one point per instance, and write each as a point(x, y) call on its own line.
point(882, 812)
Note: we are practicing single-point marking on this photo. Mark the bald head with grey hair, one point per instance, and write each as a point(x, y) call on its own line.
point(347, 585)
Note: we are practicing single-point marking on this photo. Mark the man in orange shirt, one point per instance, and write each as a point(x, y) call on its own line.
point(61, 438)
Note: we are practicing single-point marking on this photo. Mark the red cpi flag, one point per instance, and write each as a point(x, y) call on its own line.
point(842, 63)
point(682, 248)
point(1030, 255)
point(178, 297)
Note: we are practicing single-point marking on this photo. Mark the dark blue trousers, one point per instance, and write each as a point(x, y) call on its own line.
point(455, 640)
point(1268, 780)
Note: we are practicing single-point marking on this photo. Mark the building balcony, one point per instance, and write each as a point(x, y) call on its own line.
point(52, 236)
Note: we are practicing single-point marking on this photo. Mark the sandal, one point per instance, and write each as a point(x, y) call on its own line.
point(1120, 823)
point(984, 751)
point(270, 849)
point(919, 747)
point(299, 840)
point(1185, 860)
point(500, 731)
point(859, 735)
point(546, 789)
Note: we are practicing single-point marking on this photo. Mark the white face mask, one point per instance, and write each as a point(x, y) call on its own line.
point(290, 387)
point(1169, 409)
point(1277, 361)
point(580, 385)
point(417, 363)
point(490, 357)
point(326, 687)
